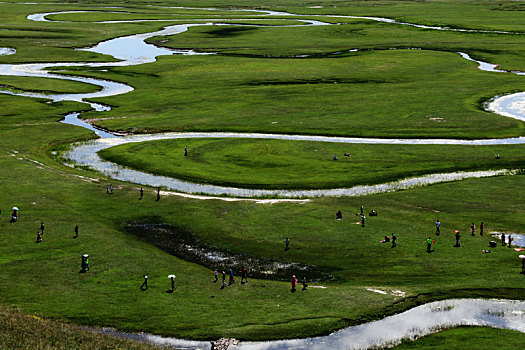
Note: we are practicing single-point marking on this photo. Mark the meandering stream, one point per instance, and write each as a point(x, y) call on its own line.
point(133, 50)
point(422, 320)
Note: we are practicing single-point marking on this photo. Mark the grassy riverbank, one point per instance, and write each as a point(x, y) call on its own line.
point(279, 164)
point(387, 93)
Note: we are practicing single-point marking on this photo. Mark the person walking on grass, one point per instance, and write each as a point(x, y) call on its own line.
point(394, 239)
point(42, 227)
point(172, 277)
point(223, 279)
point(158, 194)
point(457, 239)
point(287, 242)
point(244, 278)
point(363, 219)
point(481, 229)
point(509, 238)
point(438, 224)
point(76, 231)
point(141, 193)
point(472, 229)
point(304, 283)
point(522, 264)
point(429, 244)
point(503, 239)
point(232, 279)
point(186, 151)
point(38, 237)
point(216, 274)
point(362, 210)
point(144, 285)
point(294, 283)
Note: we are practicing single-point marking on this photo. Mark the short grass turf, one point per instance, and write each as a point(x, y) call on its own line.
point(280, 164)
point(477, 338)
point(172, 94)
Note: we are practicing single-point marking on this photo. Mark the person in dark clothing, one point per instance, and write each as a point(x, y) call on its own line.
point(144, 285)
point(503, 239)
point(38, 237)
point(472, 228)
point(110, 189)
point(172, 277)
point(335, 157)
point(231, 280)
point(509, 238)
point(339, 215)
point(223, 279)
point(244, 278)
point(304, 283)
point(294, 283)
point(438, 224)
point(158, 194)
point(523, 264)
point(457, 239)
point(76, 231)
point(216, 274)
point(141, 193)
point(481, 228)
point(42, 227)
point(362, 210)
point(186, 151)
point(287, 242)
point(363, 219)
point(394, 239)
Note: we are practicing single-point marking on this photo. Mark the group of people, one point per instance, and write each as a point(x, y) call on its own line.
point(294, 283)
point(231, 280)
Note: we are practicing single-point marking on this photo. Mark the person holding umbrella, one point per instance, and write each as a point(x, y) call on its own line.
point(14, 215)
point(457, 238)
point(172, 277)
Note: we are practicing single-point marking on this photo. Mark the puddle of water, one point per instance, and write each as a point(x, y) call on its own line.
point(518, 238)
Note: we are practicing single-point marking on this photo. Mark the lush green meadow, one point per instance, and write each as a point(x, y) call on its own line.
point(374, 92)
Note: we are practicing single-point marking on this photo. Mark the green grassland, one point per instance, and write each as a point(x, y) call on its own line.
point(302, 164)
point(381, 93)
point(476, 338)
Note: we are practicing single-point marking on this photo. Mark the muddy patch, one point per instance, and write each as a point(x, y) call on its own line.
point(182, 243)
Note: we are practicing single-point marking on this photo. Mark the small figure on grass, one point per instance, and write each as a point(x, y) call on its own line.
point(216, 274)
point(14, 215)
point(429, 244)
point(305, 285)
point(186, 151)
point(287, 242)
point(38, 237)
point(244, 278)
point(110, 189)
point(394, 241)
point(362, 211)
point(76, 232)
point(144, 285)
point(522, 264)
point(363, 219)
point(509, 238)
point(42, 227)
point(84, 265)
point(232, 279)
point(339, 215)
point(472, 228)
point(481, 229)
point(438, 224)
point(172, 278)
point(335, 157)
point(503, 239)
point(294, 283)
point(223, 279)
point(141, 193)
point(158, 194)
point(457, 239)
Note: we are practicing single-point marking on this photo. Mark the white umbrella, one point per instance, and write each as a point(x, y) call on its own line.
point(15, 208)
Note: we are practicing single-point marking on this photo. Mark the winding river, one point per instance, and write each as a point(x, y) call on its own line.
point(422, 320)
point(133, 50)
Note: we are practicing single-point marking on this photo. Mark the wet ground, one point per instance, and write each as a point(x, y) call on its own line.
point(182, 243)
